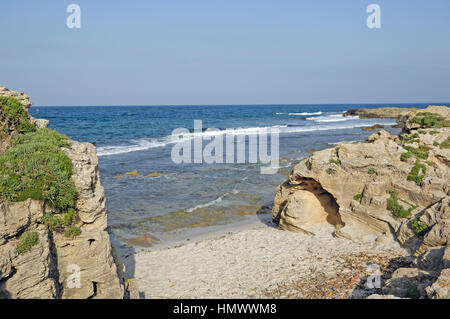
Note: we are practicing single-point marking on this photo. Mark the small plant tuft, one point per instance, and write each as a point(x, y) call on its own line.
point(26, 241)
point(333, 161)
point(410, 139)
point(357, 196)
point(418, 228)
point(371, 171)
point(445, 144)
point(397, 209)
point(330, 171)
point(404, 157)
point(72, 231)
point(415, 175)
point(13, 110)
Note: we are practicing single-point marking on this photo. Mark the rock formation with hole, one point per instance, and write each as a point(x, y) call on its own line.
point(349, 185)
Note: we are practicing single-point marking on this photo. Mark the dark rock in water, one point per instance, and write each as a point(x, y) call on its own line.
point(373, 127)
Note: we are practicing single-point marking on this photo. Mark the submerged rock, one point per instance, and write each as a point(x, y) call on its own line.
point(155, 174)
point(133, 173)
point(373, 127)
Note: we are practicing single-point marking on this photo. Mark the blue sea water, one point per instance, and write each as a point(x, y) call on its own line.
point(192, 196)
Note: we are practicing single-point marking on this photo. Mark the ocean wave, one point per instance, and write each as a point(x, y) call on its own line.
point(302, 113)
point(332, 118)
point(145, 143)
point(213, 202)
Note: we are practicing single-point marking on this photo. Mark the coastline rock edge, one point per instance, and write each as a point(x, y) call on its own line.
point(59, 266)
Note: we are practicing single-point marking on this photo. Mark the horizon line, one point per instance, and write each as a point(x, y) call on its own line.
point(271, 104)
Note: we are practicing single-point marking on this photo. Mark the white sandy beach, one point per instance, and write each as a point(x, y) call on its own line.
point(259, 262)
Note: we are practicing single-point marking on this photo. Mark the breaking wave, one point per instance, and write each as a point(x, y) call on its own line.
point(148, 143)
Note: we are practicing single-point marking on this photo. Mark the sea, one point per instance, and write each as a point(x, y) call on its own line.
point(179, 200)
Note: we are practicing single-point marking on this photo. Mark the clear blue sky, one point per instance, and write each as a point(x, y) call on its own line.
point(161, 52)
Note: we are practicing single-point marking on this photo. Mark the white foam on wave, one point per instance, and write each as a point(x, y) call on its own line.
point(213, 202)
point(145, 144)
point(302, 113)
point(332, 118)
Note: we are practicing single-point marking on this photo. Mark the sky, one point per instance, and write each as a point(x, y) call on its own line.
point(200, 52)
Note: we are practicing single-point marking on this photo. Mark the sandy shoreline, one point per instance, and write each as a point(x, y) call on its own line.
point(261, 261)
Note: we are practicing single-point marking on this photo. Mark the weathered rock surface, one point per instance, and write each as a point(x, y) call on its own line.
point(382, 112)
point(47, 269)
point(373, 127)
point(8, 127)
point(22, 97)
point(353, 181)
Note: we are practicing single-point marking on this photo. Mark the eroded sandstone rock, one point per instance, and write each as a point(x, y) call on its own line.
point(359, 178)
point(45, 270)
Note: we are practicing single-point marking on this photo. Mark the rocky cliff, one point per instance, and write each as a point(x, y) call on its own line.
point(37, 260)
point(387, 187)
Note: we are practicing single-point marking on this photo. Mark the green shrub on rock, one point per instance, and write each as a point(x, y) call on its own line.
point(13, 110)
point(397, 209)
point(72, 231)
point(26, 241)
point(430, 120)
point(35, 167)
point(59, 221)
point(404, 157)
point(415, 175)
point(418, 228)
point(445, 144)
point(333, 161)
point(410, 139)
point(419, 152)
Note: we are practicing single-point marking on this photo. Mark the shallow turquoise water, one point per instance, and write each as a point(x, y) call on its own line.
point(189, 196)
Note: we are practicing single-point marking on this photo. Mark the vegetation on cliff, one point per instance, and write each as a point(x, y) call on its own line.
point(415, 175)
point(35, 167)
point(419, 228)
point(430, 120)
point(397, 209)
point(26, 241)
point(13, 110)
